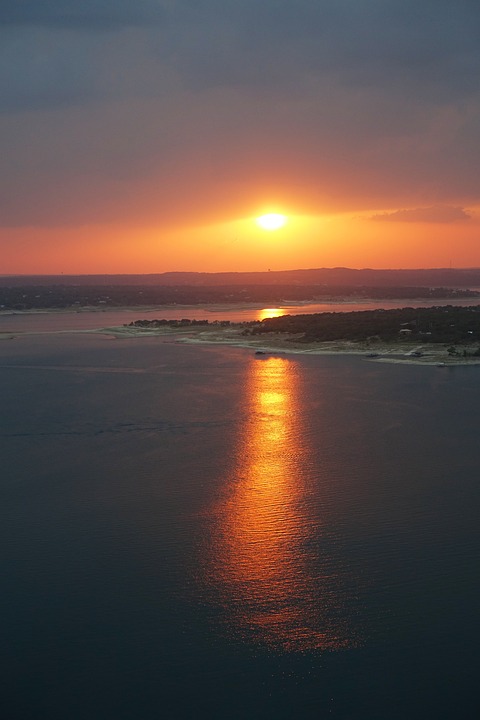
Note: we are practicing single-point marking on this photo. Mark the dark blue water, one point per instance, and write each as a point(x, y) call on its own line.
point(189, 532)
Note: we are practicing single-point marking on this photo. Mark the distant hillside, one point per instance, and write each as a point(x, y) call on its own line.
point(445, 277)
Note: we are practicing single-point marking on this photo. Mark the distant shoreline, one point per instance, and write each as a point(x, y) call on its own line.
point(249, 305)
point(212, 307)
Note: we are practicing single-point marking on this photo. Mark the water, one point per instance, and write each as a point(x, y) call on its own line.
point(88, 320)
point(191, 532)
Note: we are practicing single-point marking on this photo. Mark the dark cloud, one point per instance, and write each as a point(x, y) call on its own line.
point(96, 14)
point(40, 68)
point(419, 48)
point(424, 51)
point(438, 214)
point(429, 46)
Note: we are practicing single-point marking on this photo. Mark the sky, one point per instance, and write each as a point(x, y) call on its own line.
point(147, 135)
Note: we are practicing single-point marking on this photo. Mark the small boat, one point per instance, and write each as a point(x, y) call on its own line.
point(264, 354)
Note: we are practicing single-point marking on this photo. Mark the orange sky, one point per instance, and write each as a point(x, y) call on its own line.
point(305, 241)
point(148, 140)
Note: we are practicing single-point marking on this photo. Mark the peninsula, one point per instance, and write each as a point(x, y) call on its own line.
point(446, 334)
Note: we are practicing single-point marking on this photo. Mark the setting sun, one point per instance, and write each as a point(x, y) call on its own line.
point(271, 221)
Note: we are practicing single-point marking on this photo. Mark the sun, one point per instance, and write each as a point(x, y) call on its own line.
point(271, 221)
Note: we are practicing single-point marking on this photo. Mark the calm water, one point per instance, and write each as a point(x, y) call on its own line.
point(190, 532)
point(88, 320)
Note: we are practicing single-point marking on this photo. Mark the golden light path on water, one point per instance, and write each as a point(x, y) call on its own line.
point(270, 313)
point(262, 567)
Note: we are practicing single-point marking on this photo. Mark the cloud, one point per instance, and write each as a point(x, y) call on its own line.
point(435, 214)
point(41, 68)
point(423, 52)
point(341, 104)
point(103, 15)
point(424, 48)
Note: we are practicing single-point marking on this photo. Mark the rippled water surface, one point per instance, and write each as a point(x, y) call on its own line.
point(192, 532)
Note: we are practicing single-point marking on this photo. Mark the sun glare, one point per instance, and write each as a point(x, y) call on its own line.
point(271, 221)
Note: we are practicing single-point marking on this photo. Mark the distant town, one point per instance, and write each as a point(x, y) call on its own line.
point(64, 296)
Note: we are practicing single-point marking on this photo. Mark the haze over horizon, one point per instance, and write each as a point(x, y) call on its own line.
point(146, 137)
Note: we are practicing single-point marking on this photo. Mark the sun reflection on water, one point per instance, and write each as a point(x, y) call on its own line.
point(263, 569)
point(269, 313)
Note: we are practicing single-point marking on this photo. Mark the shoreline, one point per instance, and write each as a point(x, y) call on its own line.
point(284, 344)
point(227, 307)
point(433, 354)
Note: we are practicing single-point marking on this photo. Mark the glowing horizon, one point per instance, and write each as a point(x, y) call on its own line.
point(138, 159)
point(357, 240)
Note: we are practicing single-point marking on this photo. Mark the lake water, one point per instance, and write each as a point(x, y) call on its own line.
point(190, 532)
point(56, 321)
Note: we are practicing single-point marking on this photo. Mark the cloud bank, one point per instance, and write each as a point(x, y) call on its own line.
point(439, 214)
point(180, 110)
